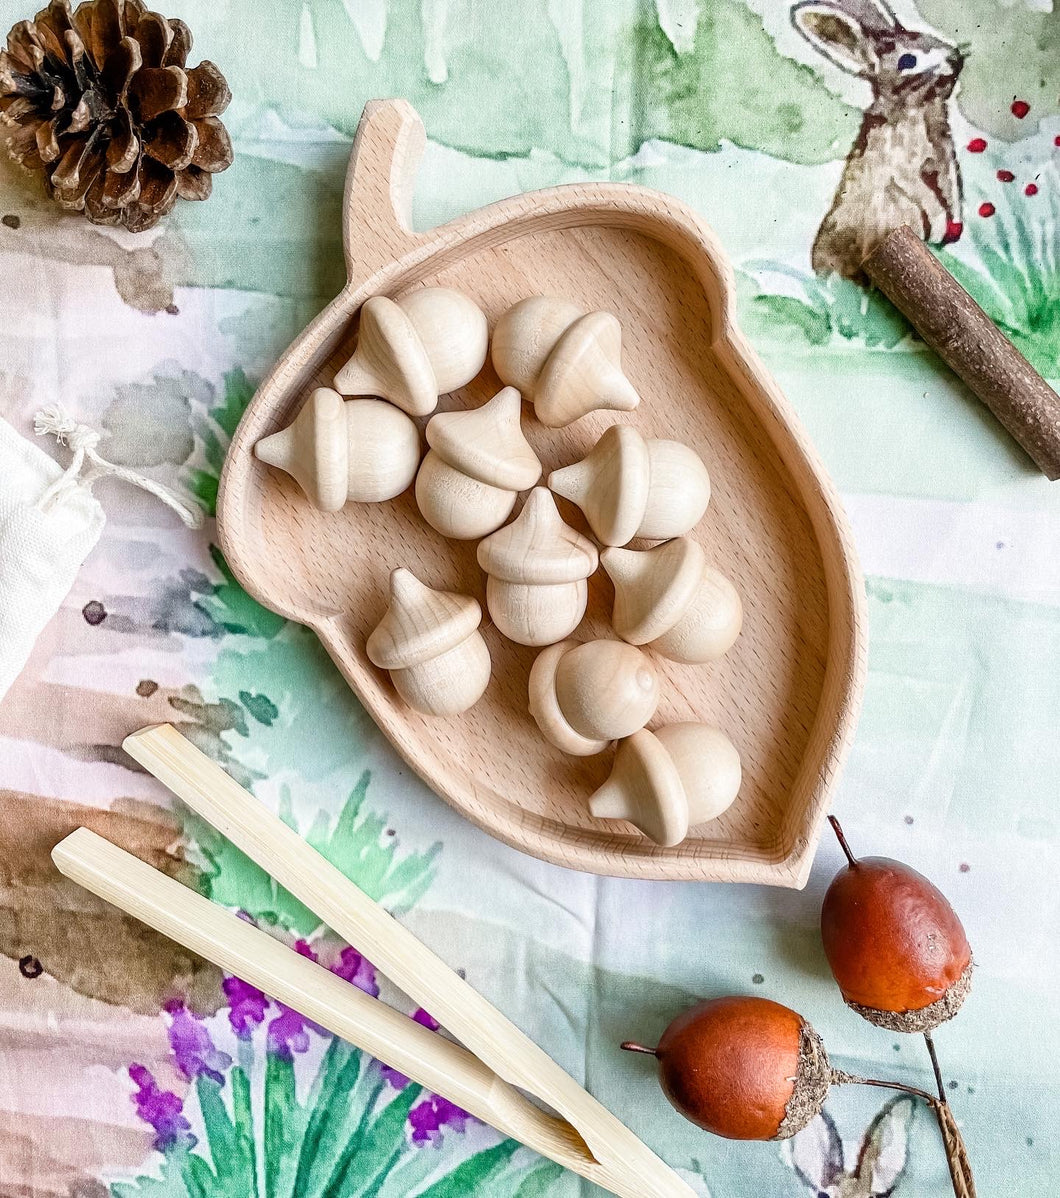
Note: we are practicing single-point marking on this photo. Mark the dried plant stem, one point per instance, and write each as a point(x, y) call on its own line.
point(956, 1153)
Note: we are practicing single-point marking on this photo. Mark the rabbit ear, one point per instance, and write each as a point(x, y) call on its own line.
point(884, 1151)
point(839, 35)
point(816, 1154)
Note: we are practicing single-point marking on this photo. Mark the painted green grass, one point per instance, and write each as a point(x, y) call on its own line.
point(345, 1137)
point(356, 843)
point(1013, 271)
point(819, 310)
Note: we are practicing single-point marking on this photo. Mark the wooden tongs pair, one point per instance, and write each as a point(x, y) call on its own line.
point(481, 1076)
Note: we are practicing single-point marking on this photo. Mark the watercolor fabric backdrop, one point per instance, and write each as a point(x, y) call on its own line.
point(129, 1069)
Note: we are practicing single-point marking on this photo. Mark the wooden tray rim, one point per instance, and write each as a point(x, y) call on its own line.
point(397, 256)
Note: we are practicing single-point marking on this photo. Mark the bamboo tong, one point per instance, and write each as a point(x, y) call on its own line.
point(481, 1076)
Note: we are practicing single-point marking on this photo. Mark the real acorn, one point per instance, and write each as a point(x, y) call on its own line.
point(895, 945)
point(742, 1067)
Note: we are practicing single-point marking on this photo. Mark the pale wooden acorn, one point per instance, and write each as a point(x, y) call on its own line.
point(584, 696)
point(412, 350)
point(536, 570)
point(670, 599)
point(566, 361)
point(338, 450)
point(477, 464)
point(629, 486)
point(430, 642)
point(667, 781)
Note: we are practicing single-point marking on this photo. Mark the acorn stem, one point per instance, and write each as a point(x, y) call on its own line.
point(841, 1078)
point(935, 1066)
point(837, 828)
point(952, 1140)
point(633, 1046)
point(956, 1152)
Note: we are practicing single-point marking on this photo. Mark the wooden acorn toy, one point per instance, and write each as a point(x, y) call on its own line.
point(584, 696)
point(668, 598)
point(430, 642)
point(666, 781)
point(566, 361)
point(477, 464)
point(536, 569)
point(895, 945)
point(338, 450)
point(412, 350)
point(629, 487)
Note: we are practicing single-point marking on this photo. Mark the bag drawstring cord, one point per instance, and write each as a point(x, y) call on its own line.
point(57, 422)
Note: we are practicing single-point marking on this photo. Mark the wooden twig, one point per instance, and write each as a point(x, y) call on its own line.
point(969, 342)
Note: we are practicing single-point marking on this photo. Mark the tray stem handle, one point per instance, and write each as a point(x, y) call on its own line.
point(379, 184)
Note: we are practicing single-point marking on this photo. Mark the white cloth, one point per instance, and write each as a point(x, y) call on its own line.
point(43, 541)
point(49, 523)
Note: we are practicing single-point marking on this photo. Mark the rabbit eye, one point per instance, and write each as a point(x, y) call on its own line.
point(907, 62)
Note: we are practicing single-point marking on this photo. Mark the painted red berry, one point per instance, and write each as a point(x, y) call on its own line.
point(1020, 108)
point(986, 209)
point(1031, 189)
point(1056, 140)
point(1005, 176)
point(977, 145)
point(954, 229)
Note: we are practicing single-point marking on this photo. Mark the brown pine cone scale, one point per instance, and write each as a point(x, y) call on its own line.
point(100, 101)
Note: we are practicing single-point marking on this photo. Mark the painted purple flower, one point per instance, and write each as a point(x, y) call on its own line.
point(357, 970)
point(194, 1049)
point(246, 1006)
point(398, 1080)
point(288, 1033)
point(429, 1117)
point(162, 1110)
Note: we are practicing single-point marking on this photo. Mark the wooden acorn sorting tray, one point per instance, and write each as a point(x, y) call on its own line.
point(787, 693)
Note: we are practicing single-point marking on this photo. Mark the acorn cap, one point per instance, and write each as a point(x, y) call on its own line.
point(645, 788)
point(538, 547)
point(610, 484)
point(487, 442)
point(420, 623)
point(653, 587)
point(583, 373)
point(390, 360)
point(314, 449)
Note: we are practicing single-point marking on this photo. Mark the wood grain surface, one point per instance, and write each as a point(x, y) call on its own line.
point(787, 693)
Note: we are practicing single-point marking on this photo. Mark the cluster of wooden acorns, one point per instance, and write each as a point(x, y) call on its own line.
point(667, 598)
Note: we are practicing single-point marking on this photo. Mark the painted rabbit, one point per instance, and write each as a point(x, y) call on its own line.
point(902, 168)
point(816, 1155)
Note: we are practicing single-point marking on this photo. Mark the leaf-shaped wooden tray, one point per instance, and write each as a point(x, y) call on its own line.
point(787, 694)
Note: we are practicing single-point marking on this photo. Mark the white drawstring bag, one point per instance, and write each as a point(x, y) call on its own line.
point(49, 523)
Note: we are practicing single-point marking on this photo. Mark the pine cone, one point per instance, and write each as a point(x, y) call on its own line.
point(101, 103)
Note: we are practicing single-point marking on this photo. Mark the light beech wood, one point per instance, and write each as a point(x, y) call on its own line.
point(665, 781)
point(363, 450)
point(566, 361)
point(544, 706)
point(428, 343)
point(788, 691)
point(481, 1077)
point(430, 643)
point(537, 566)
point(668, 598)
point(478, 462)
point(593, 693)
point(631, 486)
